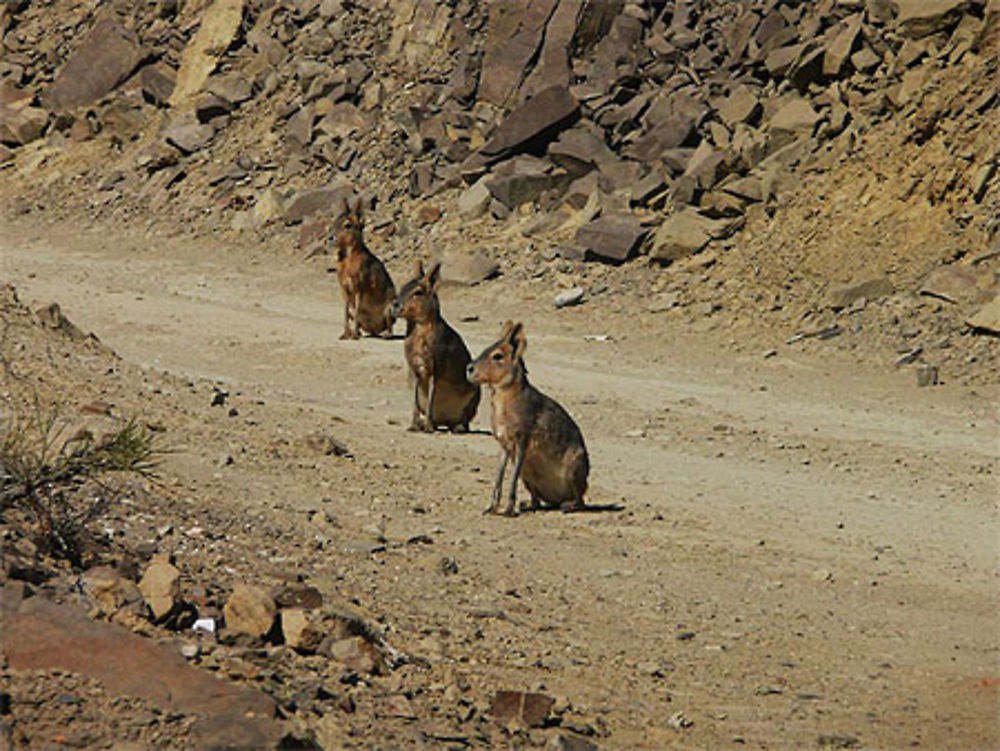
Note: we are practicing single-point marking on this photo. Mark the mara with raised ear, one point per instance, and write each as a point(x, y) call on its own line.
point(534, 431)
point(366, 285)
point(437, 356)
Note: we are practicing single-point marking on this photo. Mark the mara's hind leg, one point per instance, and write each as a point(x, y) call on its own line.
point(462, 426)
point(388, 322)
point(576, 503)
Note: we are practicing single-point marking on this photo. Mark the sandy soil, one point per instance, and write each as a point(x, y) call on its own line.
point(787, 551)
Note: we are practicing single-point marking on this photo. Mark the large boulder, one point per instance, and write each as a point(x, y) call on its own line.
point(219, 25)
point(105, 58)
point(533, 124)
point(920, 18)
point(613, 238)
point(686, 232)
point(23, 125)
point(516, 31)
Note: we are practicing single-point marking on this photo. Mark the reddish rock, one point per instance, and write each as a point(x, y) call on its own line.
point(41, 635)
point(428, 215)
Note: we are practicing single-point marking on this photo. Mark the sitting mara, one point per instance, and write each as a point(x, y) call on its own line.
point(437, 356)
point(534, 431)
point(366, 285)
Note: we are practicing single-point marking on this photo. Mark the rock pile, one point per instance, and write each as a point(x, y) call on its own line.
point(643, 127)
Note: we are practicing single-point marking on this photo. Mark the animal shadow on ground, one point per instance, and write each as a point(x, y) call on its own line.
point(590, 508)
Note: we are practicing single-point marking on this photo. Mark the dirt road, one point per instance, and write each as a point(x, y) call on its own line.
point(795, 551)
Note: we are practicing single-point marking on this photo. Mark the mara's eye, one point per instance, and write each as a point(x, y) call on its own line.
point(498, 356)
point(418, 292)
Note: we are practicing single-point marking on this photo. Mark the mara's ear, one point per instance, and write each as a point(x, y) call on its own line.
point(357, 207)
point(517, 340)
point(434, 275)
point(347, 207)
point(418, 269)
point(505, 330)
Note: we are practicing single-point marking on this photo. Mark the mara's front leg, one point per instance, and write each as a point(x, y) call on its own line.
point(498, 483)
point(430, 405)
point(511, 509)
point(350, 311)
point(419, 421)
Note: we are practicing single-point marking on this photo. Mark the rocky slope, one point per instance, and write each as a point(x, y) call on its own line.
point(829, 164)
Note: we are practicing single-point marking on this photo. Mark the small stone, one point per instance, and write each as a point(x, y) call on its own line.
point(190, 651)
point(354, 653)
point(686, 232)
point(663, 302)
point(299, 632)
point(21, 126)
point(927, 375)
point(475, 200)
point(298, 596)
point(679, 720)
point(518, 707)
point(428, 214)
point(571, 742)
point(987, 318)
point(159, 586)
point(837, 741)
point(108, 590)
point(269, 207)
point(569, 297)
point(188, 137)
point(249, 610)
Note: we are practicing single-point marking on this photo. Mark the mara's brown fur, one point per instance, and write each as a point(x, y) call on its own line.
point(437, 356)
point(534, 431)
point(366, 285)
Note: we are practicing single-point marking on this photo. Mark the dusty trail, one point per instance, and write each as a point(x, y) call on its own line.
point(829, 535)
